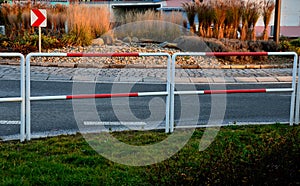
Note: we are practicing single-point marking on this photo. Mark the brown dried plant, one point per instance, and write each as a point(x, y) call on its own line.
point(86, 23)
point(255, 12)
point(246, 18)
point(220, 9)
point(267, 10)
point(206, 16)
point(232, 20)
point(190, 9)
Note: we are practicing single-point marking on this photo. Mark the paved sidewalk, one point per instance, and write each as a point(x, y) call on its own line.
point(8, 72)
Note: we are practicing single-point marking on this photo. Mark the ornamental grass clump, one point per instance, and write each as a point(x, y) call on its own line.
point(190, 9)
point(86, 23)
point(57, 19)
point(245, 17)
point(206, 17)
point(227, 18)
point(268, 8)
point(255, 13)
point(232, 20)
point(220, 8)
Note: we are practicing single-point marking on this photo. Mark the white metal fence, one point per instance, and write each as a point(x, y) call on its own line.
point(170, 93)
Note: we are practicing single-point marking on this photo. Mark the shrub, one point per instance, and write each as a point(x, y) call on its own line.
point(28, 43)
point(295, 42)
point(293, 45)
point(269, 46)
point(285, 45)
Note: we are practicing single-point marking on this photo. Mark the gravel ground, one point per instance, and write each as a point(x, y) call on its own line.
point(190, 61)
point(146, 48)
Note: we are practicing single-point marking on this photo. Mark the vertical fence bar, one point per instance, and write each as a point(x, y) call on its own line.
point(172, 101)
point(297, 110)
point(293, 118)
point(23, 104)
point(168, 124)
point(27, 98)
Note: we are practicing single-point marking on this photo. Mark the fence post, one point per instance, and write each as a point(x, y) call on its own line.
point(296, 58)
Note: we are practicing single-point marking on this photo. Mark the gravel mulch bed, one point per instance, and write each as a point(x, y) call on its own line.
point(158, 61)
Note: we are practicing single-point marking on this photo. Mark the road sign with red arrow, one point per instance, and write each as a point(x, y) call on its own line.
point(39, 17)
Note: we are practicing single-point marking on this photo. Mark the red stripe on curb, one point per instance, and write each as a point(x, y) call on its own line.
point(87, 96)
point(81, 54)
point(235, 91)
point(220, 54)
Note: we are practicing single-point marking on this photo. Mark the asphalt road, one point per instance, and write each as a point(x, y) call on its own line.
point(68, 115)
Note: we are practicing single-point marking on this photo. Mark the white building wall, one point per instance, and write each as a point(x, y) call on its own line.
point(290, 14)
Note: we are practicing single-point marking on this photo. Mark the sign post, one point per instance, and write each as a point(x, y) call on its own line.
point(39, 19)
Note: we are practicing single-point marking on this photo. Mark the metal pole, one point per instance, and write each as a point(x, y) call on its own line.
point(277, 21)
point(297, 110)
point(23, 104)
point(40, 39)
point(294, 87)
point(172, 96)
point(168, 101)
point(27, 98)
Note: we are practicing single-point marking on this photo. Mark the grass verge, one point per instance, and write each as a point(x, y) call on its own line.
point(251, 155)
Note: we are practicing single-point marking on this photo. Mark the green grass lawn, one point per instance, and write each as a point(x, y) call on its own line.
point(246, 155)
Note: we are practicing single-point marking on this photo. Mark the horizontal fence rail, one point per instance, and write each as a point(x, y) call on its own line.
point(93, 96)
point(293, 117)
point(236, 91)
point(22, 90)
